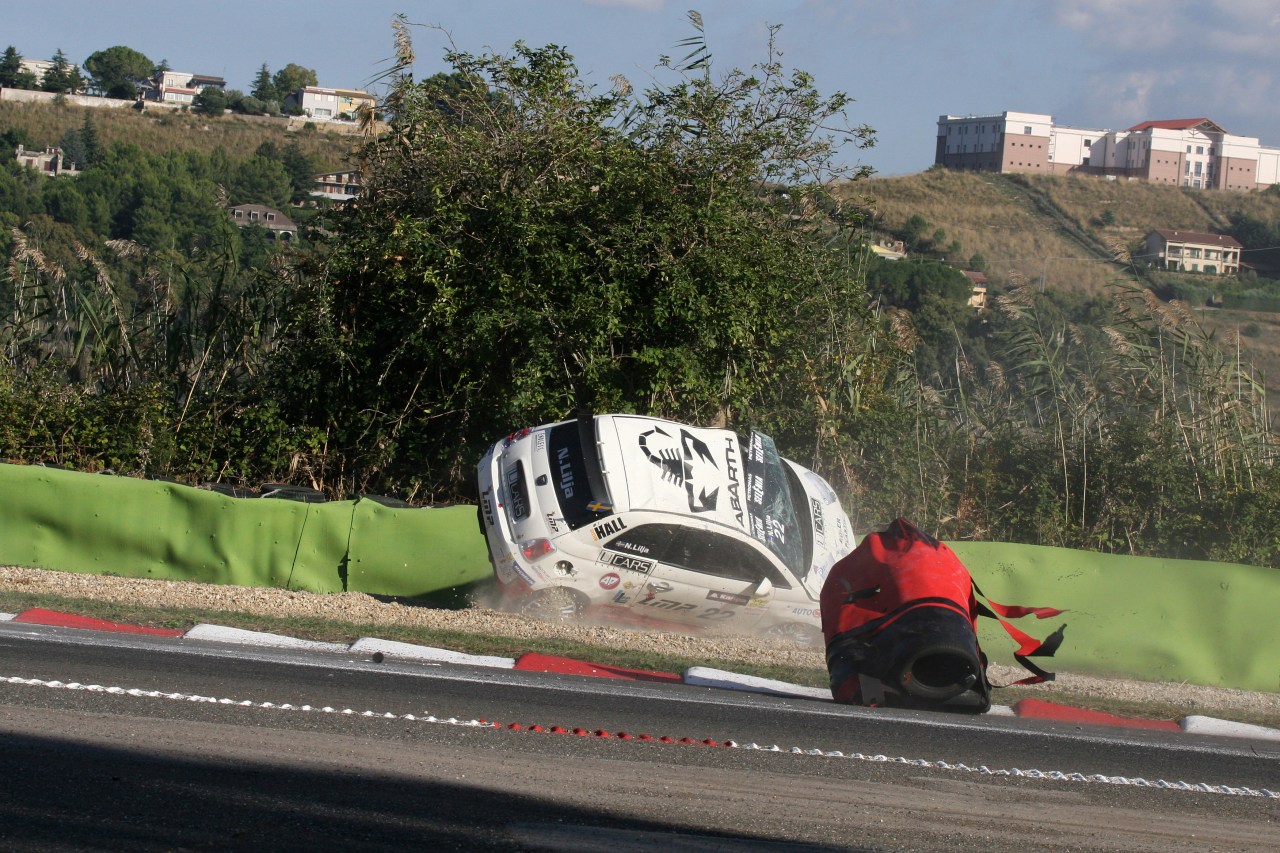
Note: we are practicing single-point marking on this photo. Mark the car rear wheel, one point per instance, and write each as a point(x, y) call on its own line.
point(557, 604)
point(796, 633)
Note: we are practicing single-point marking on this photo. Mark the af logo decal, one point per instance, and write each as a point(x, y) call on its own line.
point(678, 460)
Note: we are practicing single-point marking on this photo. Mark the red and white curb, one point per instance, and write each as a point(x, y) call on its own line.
point(379, 650)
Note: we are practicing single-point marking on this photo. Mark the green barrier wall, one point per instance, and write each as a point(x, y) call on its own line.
point(1165, 620)
point(1155, 619)
point(101, 524)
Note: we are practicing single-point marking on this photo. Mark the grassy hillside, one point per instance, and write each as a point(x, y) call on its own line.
point(167, 130)
point(1051, 227)
point(1066, 232)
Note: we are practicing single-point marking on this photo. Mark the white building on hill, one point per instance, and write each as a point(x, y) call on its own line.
point(1193, 153)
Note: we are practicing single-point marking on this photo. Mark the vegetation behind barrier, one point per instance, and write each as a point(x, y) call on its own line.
point(526, 244)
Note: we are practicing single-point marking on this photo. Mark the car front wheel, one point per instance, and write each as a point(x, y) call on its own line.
point(796, 633)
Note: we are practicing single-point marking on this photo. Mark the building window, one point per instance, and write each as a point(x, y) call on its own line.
point(1026, 129)
point(1198, 167)
point(1199, 149)
point(1188, 149)
point(1088, 143)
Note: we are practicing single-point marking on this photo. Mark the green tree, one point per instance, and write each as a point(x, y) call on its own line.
point(264, 89)
point(10, 67)
point(117, 71)
point(260, 181)
point(12, 137)
point(26, 80)
point(73, 148)
point(291, 78)
point(211, 101)
point(62, 76)
point(537, 246)
point(913, 232)
point(300, 168)
point(249, 105)
point(89, 141)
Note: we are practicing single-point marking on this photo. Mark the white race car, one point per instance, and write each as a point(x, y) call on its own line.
point(636, 519)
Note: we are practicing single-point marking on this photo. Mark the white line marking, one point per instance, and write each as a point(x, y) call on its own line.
point(1048, 775)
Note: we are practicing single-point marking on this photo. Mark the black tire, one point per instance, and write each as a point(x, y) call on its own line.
point(796, 633)
point(556, 604)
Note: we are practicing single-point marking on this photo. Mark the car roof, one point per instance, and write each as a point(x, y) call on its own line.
point(660, 465)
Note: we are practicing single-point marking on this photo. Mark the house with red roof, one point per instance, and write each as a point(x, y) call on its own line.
point(1193, 251)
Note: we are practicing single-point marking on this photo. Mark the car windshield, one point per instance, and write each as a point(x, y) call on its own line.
point(773, 498)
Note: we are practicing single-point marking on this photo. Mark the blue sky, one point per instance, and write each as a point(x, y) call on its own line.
point(1089, 63)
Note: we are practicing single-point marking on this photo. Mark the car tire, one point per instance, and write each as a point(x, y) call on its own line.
point(557, 604)
point(797, 633)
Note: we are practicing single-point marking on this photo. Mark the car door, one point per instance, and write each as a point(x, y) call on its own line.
point(699, 577)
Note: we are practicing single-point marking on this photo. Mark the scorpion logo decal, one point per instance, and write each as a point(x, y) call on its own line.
point(676, 464)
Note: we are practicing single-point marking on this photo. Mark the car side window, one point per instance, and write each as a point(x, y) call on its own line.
point(650, 541)
point(702, 551)
point(712, 553)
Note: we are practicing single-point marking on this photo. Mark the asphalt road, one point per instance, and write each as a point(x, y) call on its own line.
point(113, 742)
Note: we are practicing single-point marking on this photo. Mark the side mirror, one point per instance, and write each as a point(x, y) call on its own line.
point(764, 587)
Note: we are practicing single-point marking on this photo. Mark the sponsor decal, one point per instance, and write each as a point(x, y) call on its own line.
point(553, 523)
point(486, 506)
point(669, 605)
point(524, 576)
point(622, 597)
point(633, 564)
point(755, 470)
point(819, 525)
point(608, 528)
point(728, 597)
point(652, 590)
point(679, 461)
point(565, 467)
point(540, 440)
point(731, 471)
point(610, 580)
point(623, 545)
point(759, 601)
point(762, 492)
point(515, 492)
point(807, 612)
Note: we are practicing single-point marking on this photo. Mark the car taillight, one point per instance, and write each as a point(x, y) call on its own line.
point(515, 436)
point(536, 549)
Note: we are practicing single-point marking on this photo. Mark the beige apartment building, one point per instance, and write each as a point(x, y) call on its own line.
point(1193, 153)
